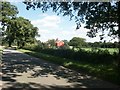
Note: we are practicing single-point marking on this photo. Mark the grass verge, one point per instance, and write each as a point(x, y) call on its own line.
point(105, 72)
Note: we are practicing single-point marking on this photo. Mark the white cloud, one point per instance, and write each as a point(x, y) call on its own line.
point(75, 33)
point(49, 28)
point(48, 21)
point(43, 31)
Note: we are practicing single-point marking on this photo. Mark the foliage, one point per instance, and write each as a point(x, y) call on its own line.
point(77, 42)
point(93, 56)
point(8, 11)
point(103, 44)
point(80, 42)
point(18, 29)
point(66, 45)
point(98, 16)
point(51, 43)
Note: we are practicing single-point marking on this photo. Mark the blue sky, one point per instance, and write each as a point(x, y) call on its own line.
point(52, 26)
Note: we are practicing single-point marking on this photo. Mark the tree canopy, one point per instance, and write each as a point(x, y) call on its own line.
point(8, 11)
point(21, 30)
point(77, 42)
point(16, 28)
point(97, 16)
point(51, 43)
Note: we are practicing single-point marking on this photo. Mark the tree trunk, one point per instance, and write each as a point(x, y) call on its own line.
point(10, 43)
point(18, 43)
point(23, 44)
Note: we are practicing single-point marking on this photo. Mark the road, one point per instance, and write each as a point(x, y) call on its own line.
point(27, 72)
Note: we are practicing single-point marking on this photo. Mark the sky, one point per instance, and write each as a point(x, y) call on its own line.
point(52, 26)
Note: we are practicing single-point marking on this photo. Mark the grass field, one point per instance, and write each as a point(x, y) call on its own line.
point(111, 50)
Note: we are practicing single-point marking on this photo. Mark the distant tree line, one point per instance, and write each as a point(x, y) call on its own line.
point(103, 44)
point(77, 52)
point(75, 42)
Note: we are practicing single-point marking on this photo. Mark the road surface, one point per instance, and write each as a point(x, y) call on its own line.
point(27, 72)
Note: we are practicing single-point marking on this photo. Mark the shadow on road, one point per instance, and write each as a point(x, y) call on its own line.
point(14, 64)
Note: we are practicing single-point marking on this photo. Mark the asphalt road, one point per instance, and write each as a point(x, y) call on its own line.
point(27, 72)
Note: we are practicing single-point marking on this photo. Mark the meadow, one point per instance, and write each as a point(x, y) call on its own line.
point(111, 50)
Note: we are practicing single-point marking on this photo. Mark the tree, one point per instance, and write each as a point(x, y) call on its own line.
point(8, 11)
point(51, 43)
point(17, 29)
point(10, 36)
point(26, 32)
point(39, 44)
point(21, 30)
point(98, 16)
point(77, 42)
point(66, 44)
